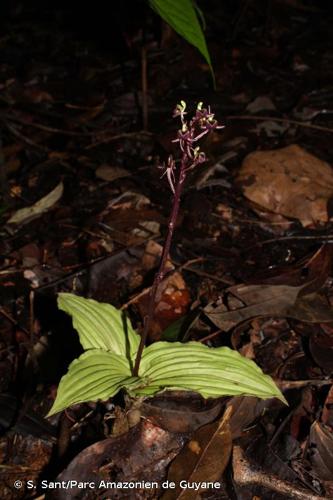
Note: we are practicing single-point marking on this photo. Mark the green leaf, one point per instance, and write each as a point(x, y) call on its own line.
point(212, 372)
point(100, 326)
point(183, 18)
point(173, 331)
point(95, 375)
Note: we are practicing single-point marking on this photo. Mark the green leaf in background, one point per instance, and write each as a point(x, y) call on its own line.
point(212, 372)
point(95, 375)
point(99, 325)
point(183, 18)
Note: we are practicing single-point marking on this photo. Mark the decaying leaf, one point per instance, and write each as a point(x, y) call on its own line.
point(109, 173)
point(311, 308)
point(202, 460)
point(321, 347)
point(178, 411)
point(140, 456)
point(271, 300)
point(43, 205)
point(260, 300)
point(321, 450)
point(288, 181)
point(244, 411)
point(327, 414)
point(311, 271)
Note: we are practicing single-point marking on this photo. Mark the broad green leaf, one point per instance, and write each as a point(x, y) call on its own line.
point(95, 375)
point(100, 326)
point(212, 372)
point(182, 17)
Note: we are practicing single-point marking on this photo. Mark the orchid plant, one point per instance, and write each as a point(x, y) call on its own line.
point(115, 356)
point(188, 136)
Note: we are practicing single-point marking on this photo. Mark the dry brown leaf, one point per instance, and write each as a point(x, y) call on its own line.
point(271, 300)
point(180, 411)
point(108, 173)
point(260, 300)
point(321, 450)
point(202, 460)
point(288, 181)
point(43, 205)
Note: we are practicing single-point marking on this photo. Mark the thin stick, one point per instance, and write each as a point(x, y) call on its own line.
point(280, 120)
point(245, 474)
point(144, 84)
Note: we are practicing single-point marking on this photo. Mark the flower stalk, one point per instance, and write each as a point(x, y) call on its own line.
point(188, 136)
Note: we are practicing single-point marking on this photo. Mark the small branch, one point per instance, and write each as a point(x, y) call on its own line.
point(144, 85)
point(245, 474)
point(279, 120)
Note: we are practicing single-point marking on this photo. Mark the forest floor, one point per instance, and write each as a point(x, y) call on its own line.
point(85, 123)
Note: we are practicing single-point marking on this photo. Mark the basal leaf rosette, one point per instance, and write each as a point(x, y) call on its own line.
point(111, 344)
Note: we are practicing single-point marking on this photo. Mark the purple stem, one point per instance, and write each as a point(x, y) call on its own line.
point(162, 268)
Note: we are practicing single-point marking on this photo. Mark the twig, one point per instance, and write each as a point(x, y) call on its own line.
point(328, 237)
point(245, 474)
point(225, 281)
point(144, 84)
point(14, 321)
point(116, 137)
point(7, 117)
point(25, 139)
point(281, 120)
point(297, 384)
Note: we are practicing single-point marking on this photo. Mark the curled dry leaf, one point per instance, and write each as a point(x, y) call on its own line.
point(43, 205)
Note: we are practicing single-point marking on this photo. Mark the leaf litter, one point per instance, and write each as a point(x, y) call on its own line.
point(253, 247)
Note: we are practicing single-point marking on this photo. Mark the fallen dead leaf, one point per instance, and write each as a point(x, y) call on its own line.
point(108, 173)
point(141, 455)
point(25, 215)
point(261, 103)
point(180, 411)
point(260, 300)
point(288, 181)
point(327, 414)
point(202, 460)
point(270, 300)
point(321, 450)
